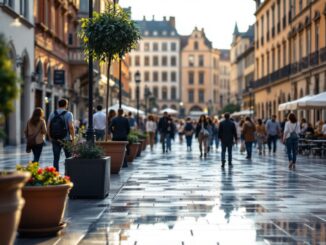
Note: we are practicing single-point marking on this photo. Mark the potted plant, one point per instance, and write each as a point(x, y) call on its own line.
point(88, 170)
point(45, 195)
point(134, 145)
point(107, 36)
point(142, 138)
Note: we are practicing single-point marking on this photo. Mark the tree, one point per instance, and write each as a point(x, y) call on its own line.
point(109, 35)
point(8, 82)
point(230, 108)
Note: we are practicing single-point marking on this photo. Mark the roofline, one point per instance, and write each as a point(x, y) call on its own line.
point(261, 6)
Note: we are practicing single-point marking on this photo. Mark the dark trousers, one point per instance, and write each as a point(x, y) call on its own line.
point(249, 149)
point(37, 150)
point(189, 141)
point(272, 139)
point(292, 150)
point(163, 141)
point(229, 148)
point(57, 147)
point(99, 134)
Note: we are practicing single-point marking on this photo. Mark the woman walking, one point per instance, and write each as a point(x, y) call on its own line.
point(291, 139)
point(248, 132)
point(35, 132)
point(202, 134)
point(261, 136)
point(151, 129)
point(189, 131)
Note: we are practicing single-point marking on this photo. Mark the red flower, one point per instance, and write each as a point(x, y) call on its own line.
point(31, 180)
point(67, 178)
point(50, 169)
point(39, 171)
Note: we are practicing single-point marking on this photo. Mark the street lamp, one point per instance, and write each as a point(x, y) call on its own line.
point(181, 109)
point(137, 80)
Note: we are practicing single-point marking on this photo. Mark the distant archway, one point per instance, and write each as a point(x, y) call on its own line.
point(196, 108)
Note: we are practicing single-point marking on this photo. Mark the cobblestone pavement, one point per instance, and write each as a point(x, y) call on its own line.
point(178, 198)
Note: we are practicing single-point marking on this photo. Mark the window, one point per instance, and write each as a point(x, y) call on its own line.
point(11, 3)
point(195, 45)
point(278, 57)
point(284, 54)
point(173, 61)
point(201, 77)
point(173, 76)
point(191, 60)
point(201, 96)
point(146, 60)
point(155, 92)
point(164, 60)
point(137, 60)
point(190, 95)
point(191, 77)
point(83, 6)
point(268, 24)
point(164, 93)
point(308, 42)
point(201, 60)
point(262, 66)
point(300, 47)
point(146, 46)
point(294, 50)
point(155, 61)
point(317, 36)
point(164, 76)
point(273, 59)
point(300, 5)
point(173, 93)
point(155, 76)
point(146, 75)
point(173, 46)
point(155, 46)
point(268, 63)
point(70, 39)
point(24, 8)
point(164, 46)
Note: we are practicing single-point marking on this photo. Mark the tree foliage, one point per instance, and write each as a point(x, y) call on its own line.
point(230, 108)
point(110, 34)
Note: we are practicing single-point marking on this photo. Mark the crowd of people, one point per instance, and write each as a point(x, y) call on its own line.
point(211, 132)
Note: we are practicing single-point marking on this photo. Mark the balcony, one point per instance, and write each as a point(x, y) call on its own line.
point(314, 58)
point(322, 55)
point(76, 56)
point(304, 63)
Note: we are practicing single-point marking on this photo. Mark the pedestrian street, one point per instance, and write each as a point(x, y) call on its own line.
point(178, 198)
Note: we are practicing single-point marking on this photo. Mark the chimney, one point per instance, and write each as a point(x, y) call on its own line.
point(153, 17)
point(203, 30)
point(164, 18)
point(172, 21)
point(144, 18)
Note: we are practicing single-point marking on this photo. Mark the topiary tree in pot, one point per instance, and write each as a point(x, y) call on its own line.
point(108, 36)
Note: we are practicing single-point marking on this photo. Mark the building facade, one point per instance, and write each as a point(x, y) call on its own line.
point(17, 25)
point(200, 74)
point(224, 78)
point(241, 42)
point(290, 57)
point(157, 58)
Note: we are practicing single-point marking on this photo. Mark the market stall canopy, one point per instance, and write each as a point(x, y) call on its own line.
point(293, 105)
point(126, 109)
point(242, 113)
point(169, 111)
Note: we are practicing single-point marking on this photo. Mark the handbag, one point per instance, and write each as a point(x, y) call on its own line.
point(31, 140)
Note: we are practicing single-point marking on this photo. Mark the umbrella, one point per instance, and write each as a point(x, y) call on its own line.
point(169, 111)
point(125, 109)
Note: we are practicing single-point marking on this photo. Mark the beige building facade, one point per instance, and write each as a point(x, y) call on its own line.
point(290, 57)
point(224, 77)
point(200, 74)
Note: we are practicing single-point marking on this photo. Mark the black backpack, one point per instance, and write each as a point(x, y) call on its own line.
point(58, 128)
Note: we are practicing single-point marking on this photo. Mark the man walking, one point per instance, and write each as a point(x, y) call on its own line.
point(99, 122)
point(228, 135)
point(273, 129)
point(61, 130)
point(163, 126)
point(120, 129)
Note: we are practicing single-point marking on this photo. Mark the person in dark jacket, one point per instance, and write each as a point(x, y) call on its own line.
point(170, 134)
point(120, 129)
point(202, 134)
point(163, 130)
point(228, 136)
point(189, 131)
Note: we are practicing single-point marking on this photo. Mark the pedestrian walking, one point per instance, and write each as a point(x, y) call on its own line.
point(261, 136)
point(170, 134)
point(151, 129)
point(61, 130)
point(273, 129)
point(120, 129)
point(99, 122)
point(202, 134)
point(181, 128)
point(228, 136)
point(132, 121)
point(248, 132)
point(35, 132)
point(215, 134)
point(189, 131)
point(210, 128)
point(162, 129)
point(291, 139)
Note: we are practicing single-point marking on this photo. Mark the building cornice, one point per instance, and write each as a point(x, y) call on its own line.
point(15, 15)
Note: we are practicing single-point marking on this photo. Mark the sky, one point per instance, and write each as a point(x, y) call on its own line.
point(217, 17)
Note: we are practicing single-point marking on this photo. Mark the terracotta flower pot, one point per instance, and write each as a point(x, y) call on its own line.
point(144, 144)
point(11, 204)
point(117, 151)
point(133, 150)
point(44, 210)
point(140, 149)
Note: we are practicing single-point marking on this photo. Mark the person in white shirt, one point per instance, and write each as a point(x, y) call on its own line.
point(99, 123)
point(291, 139)
point(151, 129)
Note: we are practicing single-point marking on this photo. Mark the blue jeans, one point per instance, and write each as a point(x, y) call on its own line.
point(229, 148)
point(168, 142)
point(189, 141)
point(272, 139)
point(57, 147)
point(217, 141)
point(292, 150)
point(99, 134)
point(249, 149)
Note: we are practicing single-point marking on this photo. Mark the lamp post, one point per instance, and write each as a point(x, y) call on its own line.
point(90, 129)
point(250, 101)
point(181, 109)
point(147, 98)
point(137, 80)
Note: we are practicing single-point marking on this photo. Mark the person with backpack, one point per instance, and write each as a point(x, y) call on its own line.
point(35, 132)
point(61, 130)
point(291, 139)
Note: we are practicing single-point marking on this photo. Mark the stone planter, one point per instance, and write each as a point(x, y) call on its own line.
point(117, 151)
point(11, 204)
point(140, 149)
point(91, 177)
point(44, 210)
point(133, 151)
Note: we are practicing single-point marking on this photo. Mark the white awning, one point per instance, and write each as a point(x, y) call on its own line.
point(242, 113)
point(293, 105)
point(317, 101)
point(126, 109)
point(169, 111)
